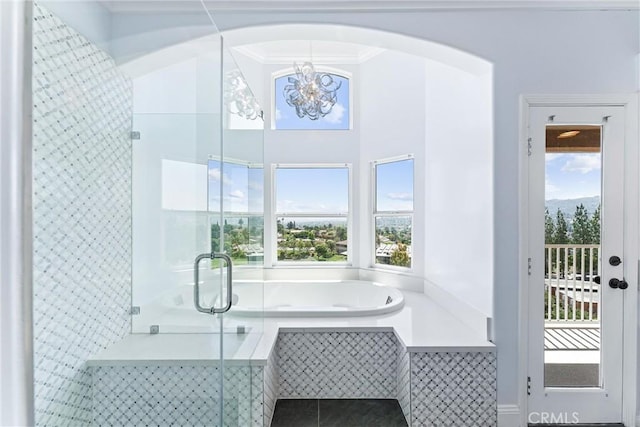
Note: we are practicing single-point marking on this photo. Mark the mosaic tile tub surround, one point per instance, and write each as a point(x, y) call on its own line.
point(82, 215)
point(438, 389)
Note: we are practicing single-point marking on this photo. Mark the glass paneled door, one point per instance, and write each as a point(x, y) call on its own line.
point(197, 218)
point(238, 194)
point(576, 279)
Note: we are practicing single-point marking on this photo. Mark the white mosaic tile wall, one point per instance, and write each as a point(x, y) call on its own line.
point(434, 389)
point(82, 214)
point(176, 395)
point(403, 381)
point(257, 395)
point(453, 389)
point(332, 365)
point(271, 382)
point(160, 395)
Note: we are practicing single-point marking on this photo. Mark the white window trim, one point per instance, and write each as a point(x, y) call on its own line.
point(289, 70)
point(375, 213)
point(226, 214)
point(275, 215)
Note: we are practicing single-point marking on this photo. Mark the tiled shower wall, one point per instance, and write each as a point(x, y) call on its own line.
point(335, 365)
point(179, 395)
point(82, 215)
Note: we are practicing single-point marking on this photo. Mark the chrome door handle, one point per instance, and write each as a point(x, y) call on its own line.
point(196, 284)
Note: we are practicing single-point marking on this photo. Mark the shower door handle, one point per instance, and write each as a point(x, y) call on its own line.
point(196, 284)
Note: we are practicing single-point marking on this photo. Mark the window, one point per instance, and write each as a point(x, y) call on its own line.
point(285, 117)
point(312, 212)
point(393, 211)
point(242, 230)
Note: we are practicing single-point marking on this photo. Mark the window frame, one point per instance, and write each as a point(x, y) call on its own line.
point(289, 71)
point(375, 213)
point(223, 214)
point(275, 215)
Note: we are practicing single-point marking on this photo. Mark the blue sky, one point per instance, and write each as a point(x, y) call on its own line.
point(320, 190)
point(394, 186)
point(242, 187)
point(572, 175)
point(286, 118)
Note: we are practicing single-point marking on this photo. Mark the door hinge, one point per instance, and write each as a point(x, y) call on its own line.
point(529, 266)
point(528, 386)
point(529, 146)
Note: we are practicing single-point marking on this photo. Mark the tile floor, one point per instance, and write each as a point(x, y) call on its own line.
point(338, 413)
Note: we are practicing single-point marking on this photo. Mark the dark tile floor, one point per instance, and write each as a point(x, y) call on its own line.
point(338, 413)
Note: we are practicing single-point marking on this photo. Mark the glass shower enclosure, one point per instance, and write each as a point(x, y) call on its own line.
point(197, 223)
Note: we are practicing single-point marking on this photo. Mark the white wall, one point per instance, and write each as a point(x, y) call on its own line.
point(458, 185)
point(16, 330)
point(392, 122)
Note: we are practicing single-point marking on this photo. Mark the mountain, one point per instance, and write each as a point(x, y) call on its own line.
point(568, 206)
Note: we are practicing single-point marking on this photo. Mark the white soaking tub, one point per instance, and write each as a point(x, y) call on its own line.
point(315, 298)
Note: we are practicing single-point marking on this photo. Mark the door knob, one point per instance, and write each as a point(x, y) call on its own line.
point(618, 284)
point(615, 260)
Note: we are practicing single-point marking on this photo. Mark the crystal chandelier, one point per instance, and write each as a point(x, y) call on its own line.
point(311, 93)
point(238, 97)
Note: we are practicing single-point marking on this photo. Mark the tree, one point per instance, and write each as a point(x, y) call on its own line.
point(594, 226)
point(594, 231)
point(561, 234)
point(581, 232)
point(549, 227)
point(400, 256)
point(215, 237)
point(322, 251)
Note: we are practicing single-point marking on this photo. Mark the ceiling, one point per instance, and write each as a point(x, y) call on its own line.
point(171, 6)
point(317, 51)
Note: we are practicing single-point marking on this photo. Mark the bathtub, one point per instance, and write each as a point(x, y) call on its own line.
point(314, 298)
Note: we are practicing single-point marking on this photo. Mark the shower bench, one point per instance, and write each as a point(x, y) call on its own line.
point(441, 374)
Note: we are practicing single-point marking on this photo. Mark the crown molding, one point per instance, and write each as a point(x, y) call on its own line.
point(365, 55)
point(292, 6)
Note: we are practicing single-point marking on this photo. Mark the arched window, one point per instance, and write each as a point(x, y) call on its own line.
point(334, 114)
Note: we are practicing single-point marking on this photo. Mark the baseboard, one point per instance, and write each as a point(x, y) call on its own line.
point(509, 416)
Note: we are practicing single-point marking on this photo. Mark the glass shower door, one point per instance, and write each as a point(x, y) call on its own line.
point(240, 199)
point(197, 195)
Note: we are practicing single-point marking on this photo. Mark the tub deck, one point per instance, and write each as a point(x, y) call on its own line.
point(421, 325)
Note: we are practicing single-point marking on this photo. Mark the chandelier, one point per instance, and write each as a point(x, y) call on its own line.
point(238, 97)
point(311, 93)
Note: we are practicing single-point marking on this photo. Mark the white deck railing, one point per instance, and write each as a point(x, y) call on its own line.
point(570, 293)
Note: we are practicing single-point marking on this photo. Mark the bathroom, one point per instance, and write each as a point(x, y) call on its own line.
point(142, 162)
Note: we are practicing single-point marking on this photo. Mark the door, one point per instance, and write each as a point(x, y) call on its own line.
point(576, 285)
